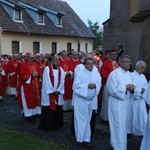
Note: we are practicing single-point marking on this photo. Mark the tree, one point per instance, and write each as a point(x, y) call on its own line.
point(98, 32)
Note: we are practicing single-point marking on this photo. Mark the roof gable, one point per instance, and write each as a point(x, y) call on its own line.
point(72, 25)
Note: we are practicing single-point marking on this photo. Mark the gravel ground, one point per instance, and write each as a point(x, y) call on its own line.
point(11, 117)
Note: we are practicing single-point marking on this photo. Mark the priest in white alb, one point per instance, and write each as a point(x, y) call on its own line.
point(86, 87)
point(120, 87)
point(139, 112)
point(145, 145)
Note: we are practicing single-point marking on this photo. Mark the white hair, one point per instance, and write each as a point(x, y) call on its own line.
point(140, 63)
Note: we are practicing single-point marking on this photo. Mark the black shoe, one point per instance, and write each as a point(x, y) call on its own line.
point(67, 111)
point(88, 145)
point(30, 119)
point(129, 136)
point(37, 116)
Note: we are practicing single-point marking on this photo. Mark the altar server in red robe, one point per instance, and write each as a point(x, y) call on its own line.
point(12, 76)
point(66, 65)
point(31, 88)
point(3, 78)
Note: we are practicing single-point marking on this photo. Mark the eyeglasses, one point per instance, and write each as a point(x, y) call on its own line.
point(89, 63)
point(56, 59)
point(126, 61)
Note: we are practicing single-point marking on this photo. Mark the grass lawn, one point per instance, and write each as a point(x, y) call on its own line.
point(15, 140)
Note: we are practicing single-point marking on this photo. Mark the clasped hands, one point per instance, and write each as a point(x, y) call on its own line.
point(130, 87)
point(55, 93)
point(35, 74)
point(91, 85)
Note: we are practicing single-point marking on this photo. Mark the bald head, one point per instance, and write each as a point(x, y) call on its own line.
point(55, 60)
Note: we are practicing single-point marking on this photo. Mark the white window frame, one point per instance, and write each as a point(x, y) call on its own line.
point(20, 46)
point(59, 21)
point(20, 14)
point(41, 47)
point(43, 19)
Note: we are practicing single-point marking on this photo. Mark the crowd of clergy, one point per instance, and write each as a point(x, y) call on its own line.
point(48, 85)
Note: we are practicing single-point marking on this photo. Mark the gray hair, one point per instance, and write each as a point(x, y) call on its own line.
point(123, 56)
point(140, 63)
point(87, 57)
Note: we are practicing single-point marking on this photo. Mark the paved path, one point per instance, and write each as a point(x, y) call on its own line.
point(10, 116)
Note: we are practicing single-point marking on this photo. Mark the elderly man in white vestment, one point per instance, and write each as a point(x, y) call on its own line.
point(86, 87)
point(145, 145)
point(119, 86)
point(138, 112)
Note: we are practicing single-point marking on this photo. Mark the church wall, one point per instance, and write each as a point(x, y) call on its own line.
point(117, 30)
point(144, 4)
point(139, 42)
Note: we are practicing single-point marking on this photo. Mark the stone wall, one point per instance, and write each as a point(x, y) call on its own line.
point(117, 29)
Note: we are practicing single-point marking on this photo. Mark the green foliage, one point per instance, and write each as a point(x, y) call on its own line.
point(15, 140)
point(98, 32)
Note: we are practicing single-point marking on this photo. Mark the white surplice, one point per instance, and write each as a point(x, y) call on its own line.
point(145, 145)
point(139, 112)
point(84, 100)
point(48, 88)
point(118, 103)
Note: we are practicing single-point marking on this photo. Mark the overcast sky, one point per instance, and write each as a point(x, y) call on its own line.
point(94, 10)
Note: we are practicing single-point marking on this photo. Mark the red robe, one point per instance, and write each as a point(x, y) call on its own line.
point(42, 64)
point(3, 80)
point(73, 64)
point(66, 65)
point(12, 68)
point(106, 69)
point(32, 91)
point(19, 83)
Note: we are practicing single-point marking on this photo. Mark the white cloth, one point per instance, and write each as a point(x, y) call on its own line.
point(67, 105)
point(139, 112)
point(47, 87)
point(118, 102)
point(145, 145)
point(84, 100)
point(11, 90)
point(28, 112)
point(3, 73)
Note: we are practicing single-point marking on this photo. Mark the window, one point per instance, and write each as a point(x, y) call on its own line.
point(40, 18)
point(54, 47)
point(78, 47)
point(15, 47)
point(69, 45)
point(59, 20)
point(86, 47)
point(36, 47)
point(18, 15)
